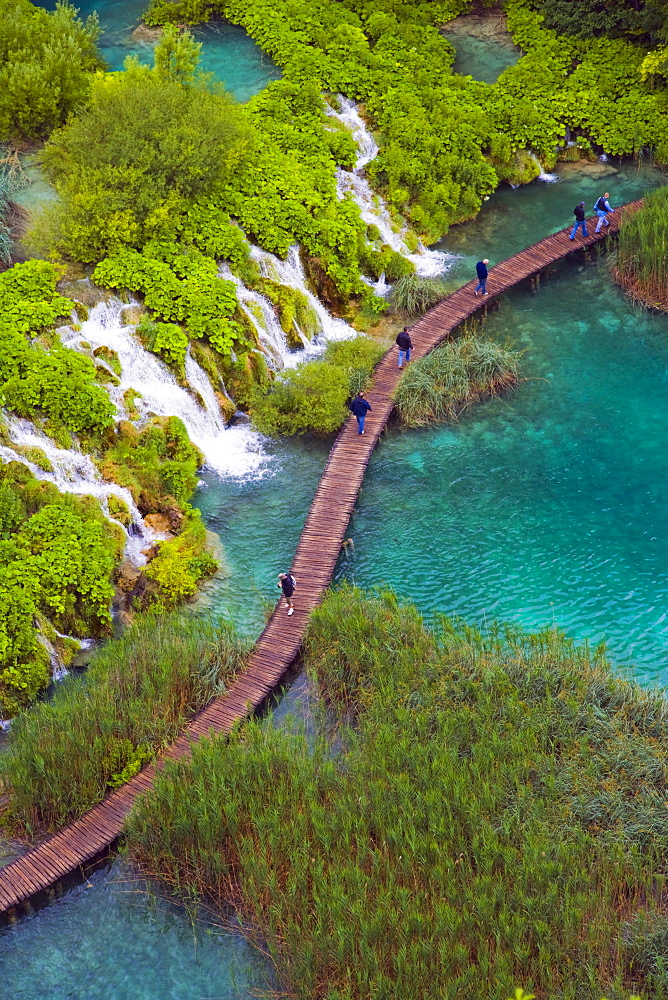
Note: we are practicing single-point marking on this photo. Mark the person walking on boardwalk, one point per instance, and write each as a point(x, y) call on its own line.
point(405, 345)
point(602, 209)
point(287, 583)
point(360, 407)
point(482, 272)
point(579, 213)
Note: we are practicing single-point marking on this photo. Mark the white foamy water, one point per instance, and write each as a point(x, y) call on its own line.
point(374, 211)
point(264, 320)
point(543, 176)
point(74, 472)
point(290, 272)
point(235, 452)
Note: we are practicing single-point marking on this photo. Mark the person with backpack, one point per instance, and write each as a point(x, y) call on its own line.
point(404, 344)
point(579, 213)
point(287, 583)
point(602, 209)
point(360, 407)
point(482, 272)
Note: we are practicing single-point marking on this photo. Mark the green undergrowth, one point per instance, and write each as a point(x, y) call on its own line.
point(639, 261)
point(98, 729)
point(312, 396)
point(454, 375)
point(494, 815)
point(413, 295)
point(57, 555)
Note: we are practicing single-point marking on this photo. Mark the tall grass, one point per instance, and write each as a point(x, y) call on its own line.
point(413, 295)
point(98, 729)
point(497, 817)
point(454, 375)
point(640, 263)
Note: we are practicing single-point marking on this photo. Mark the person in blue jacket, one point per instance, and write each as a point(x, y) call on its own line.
point(482, 272)
point(360, 407)
point(602, 209)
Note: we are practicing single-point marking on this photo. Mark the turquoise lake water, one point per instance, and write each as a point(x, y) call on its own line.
point(478, 58)
point(107, 940)
point(227, 51)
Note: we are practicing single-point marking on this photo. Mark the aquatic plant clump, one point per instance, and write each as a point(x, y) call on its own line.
point(413, 295)
point(640, 263)
point(495, 816)
point(454, 375)
point(137, 694)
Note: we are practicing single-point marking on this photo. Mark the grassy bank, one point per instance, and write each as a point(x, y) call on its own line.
point(456, 374)
point(496, 818)
point(640, 264)
point(98, 730)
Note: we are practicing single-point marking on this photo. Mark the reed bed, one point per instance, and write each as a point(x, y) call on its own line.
point(640, 262)
point(100, 728)
point(454, 375)
point(413, 295)
point(496, 818)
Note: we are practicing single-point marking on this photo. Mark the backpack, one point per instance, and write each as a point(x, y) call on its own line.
point(600, 204)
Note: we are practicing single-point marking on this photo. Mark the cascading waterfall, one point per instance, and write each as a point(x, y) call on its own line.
point(235, 451)
point(263, 318)
point(428, 263)
point(73, 472)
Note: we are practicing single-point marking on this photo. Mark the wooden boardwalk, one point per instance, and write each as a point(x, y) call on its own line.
point(324, 531)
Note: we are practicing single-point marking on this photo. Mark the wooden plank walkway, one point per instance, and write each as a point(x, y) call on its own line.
point(324, 531)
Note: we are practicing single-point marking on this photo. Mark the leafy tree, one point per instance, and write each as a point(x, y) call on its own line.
point(145, 148)
point(176, 55)
point(45, 64)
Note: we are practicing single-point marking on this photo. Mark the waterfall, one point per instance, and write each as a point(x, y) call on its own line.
point(73, 472)
point(262, 316)
point(542, 176)
point(235, 452)
point(373, 209)
point(291, 273)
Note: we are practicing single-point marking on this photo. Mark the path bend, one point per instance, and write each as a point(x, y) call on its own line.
point(324, 531)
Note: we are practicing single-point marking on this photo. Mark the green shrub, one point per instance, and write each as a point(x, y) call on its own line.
point(492, 813)
point(135, 698)
point(451, 377)
point(181, 564)
point(311, 397)
point(357, 357)
point(46, 62)
point(168, 340)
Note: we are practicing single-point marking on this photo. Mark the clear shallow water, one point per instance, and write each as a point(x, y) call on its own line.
point(550, 506)
point(227, 51)
point(107, 941)
point(482, 58)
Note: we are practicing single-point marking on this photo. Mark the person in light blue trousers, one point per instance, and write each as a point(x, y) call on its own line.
point(360, 407)
point(602, 209)
point(482, 272)
point(405, 346)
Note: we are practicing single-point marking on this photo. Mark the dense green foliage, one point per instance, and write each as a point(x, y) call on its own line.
point(46, 61)
point(639, 20)
point(57, 383)
point(312, 396)
point(143, 149)
point(454, 375)
point(640, 264)
point(496, 818)
point(57, 554)
point(97, 730)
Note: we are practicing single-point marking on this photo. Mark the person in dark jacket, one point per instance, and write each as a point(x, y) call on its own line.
point(579, 213)
point(287, 583)
point(404, 344)
point(482, 272)
point(360, 408)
